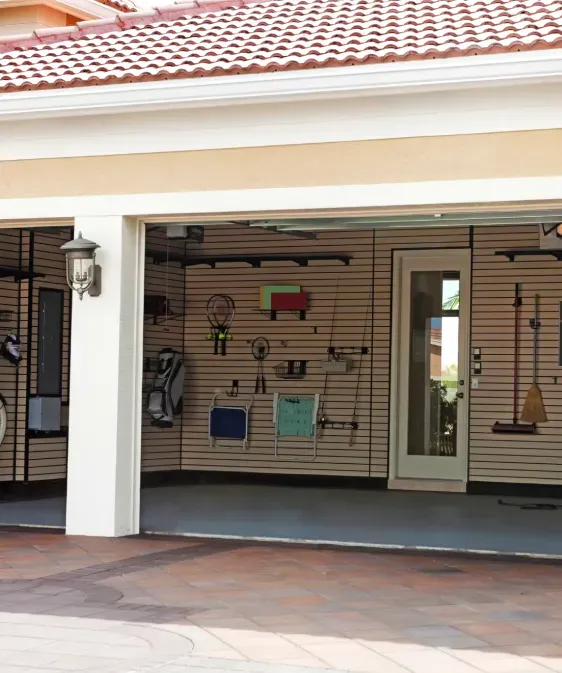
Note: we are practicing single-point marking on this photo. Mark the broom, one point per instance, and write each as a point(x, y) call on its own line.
point(533, 409)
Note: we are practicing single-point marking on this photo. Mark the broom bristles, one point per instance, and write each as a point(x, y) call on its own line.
point(533, 409)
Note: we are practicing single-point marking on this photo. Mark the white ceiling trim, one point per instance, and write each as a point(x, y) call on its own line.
point(323, 83)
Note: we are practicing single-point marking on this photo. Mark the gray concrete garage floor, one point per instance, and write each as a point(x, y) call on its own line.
point(378, 518)
point(386, 518)
point(48, 512)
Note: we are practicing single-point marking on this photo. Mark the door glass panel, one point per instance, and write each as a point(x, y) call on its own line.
point(433, 363)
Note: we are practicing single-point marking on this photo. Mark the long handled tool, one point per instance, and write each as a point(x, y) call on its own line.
point(324, 394)
point(354, 425)
point(533, 409)
point(515, 427)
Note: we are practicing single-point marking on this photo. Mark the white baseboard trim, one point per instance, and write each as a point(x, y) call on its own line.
point(440, 485)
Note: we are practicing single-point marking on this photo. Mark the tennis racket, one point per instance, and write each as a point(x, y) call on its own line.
point(220, 314)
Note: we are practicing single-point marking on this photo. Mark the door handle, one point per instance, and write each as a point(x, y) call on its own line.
point(460, 396)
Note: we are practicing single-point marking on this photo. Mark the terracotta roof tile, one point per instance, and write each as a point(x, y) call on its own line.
point(120, 5)
point(198, 39)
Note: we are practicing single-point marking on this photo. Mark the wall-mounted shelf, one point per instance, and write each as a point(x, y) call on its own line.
point(272, 314)
point(326, 424)
point(255, 261)
point(150, 319)
point(18, 274)
point(533, 252)
point(36, 434)
point(161, 257)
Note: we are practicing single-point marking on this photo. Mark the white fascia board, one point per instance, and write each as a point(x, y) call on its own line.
point(323, 83)
point(215, 205)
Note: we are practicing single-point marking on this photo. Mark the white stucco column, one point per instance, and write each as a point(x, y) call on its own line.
point(103, 489)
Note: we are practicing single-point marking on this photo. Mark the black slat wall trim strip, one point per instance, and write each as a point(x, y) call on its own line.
point(388, 342)
point(468, 385)
point(18, 332)
point(372, 342)
point(184, 330)
point(29, 347)
point(69, 300)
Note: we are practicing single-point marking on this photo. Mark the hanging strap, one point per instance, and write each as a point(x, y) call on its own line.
point(516, 304)
point(535, 325)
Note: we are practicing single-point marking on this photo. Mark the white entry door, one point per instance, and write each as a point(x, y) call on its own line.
point(431, 295)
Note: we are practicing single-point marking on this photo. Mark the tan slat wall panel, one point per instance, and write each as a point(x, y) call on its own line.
point(385, 243)
point(207, 373)
point(10, 377)
point(521, 458)
point(492, 457)
point(48, 455)
point(161, 447)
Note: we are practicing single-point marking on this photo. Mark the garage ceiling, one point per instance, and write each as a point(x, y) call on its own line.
point(548, 218)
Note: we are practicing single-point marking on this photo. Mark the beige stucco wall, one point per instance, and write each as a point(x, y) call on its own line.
point(518, 154)
point(49, 16)
point(21, 20)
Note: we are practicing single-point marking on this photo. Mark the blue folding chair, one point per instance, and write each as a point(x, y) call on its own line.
point(229, 422)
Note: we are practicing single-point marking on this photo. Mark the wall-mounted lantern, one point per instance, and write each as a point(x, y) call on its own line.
point(82, 272)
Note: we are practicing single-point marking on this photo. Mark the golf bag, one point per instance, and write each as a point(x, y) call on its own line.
point(165, 400)
point(11, 349)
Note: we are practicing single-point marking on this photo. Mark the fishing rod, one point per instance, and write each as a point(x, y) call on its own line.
point(322, 417)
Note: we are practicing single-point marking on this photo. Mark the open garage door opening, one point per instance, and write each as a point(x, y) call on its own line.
point(338, 380)
point(35, 313)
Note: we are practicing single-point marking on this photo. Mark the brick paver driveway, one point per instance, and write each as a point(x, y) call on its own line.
point(174, 606)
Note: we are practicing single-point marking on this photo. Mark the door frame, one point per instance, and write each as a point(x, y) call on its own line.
point(464, 256)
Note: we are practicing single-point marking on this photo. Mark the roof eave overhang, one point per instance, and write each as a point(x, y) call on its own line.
point(81, 9)
point(407, 77)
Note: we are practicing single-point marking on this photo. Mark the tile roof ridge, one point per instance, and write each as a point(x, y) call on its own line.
point(121, 21)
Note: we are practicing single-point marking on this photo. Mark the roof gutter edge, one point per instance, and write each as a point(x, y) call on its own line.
point(408, 77)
